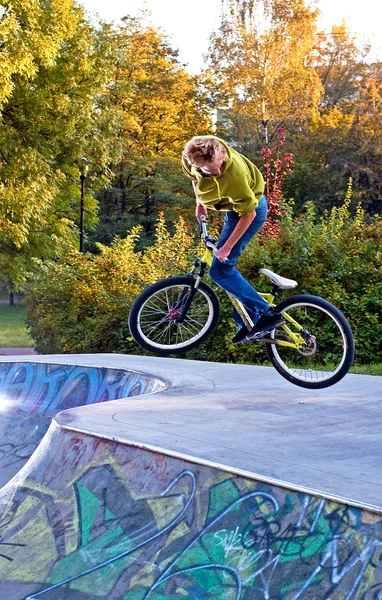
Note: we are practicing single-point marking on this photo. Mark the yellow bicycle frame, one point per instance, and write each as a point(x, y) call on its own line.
point(297, 341)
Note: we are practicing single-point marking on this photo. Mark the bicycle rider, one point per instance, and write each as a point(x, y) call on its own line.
point(225, 180)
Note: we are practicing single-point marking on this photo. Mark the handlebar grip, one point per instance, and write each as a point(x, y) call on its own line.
point(213, 247)
point(203, 230)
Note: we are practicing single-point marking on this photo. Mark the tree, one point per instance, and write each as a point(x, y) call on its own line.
point(343, 139)
point(160, 108)
point(54, 73)
point(339, 59)
point(259, 60)
point(31, 34)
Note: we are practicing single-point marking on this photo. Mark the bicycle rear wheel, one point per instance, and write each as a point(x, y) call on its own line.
point(326, 349)
point(153, 316)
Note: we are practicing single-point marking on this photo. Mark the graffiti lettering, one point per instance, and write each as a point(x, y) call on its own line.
point(182, 533)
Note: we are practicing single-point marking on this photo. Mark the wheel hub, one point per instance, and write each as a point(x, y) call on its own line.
point(310, 346)
point(174, 314)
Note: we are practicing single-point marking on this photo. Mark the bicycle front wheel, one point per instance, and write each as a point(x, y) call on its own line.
point(153, 316)
point(323, 342)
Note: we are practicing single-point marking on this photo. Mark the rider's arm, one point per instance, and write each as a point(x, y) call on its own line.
point(241, 227)
point(200, 211)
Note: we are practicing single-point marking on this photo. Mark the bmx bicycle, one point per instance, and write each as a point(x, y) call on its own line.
point(313, 349)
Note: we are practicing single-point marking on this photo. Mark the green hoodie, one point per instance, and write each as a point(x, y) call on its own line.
point(239, 187)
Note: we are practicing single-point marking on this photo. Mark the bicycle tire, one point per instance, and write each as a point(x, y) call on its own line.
point(339, 344)
point(153, 326)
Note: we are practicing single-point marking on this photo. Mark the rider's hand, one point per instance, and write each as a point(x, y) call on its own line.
point(200, 211)
point(223, 253)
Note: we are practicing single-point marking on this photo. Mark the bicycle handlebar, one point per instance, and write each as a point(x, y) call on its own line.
point(207, 239)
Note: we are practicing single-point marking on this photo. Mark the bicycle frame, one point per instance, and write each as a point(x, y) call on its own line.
point(297, 341)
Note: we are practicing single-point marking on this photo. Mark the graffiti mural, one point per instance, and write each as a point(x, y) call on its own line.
point(32, 393)
point(96, 519)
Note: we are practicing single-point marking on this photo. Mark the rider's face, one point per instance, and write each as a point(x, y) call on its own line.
point(212, 168)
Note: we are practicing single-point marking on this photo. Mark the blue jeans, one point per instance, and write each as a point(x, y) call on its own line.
point(228, 277)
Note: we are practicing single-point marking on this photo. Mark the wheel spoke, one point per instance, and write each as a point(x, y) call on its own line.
point(156, 311)
point(161, 334)
point(194, 322)
point(189, 331)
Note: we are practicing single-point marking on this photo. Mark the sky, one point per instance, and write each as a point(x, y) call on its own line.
point(189, 24)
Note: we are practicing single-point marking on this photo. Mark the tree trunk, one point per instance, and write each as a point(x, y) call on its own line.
point(147, 202)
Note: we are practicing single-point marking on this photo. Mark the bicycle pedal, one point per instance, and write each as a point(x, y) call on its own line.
point(244, 341)
point(259, 335)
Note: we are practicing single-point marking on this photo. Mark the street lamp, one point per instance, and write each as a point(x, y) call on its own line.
point(84, 172)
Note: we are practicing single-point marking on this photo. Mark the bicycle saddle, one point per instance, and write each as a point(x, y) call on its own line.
point(282, 282)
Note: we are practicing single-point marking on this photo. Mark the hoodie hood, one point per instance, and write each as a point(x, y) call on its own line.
point(228, 162)
point(239, 186)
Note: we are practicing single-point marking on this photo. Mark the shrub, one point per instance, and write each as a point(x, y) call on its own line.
point(338, 257)
point(81, 302)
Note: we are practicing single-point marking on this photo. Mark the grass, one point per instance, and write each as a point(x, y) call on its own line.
point(372, 369)
point(13, 333)
point(375, 369)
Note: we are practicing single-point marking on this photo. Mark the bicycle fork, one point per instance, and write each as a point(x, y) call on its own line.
point(186, 297)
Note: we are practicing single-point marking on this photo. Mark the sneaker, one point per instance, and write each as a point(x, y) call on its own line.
point(265, 325)
point(241, 336)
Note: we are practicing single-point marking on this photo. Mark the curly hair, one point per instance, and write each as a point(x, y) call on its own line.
point(201, 150)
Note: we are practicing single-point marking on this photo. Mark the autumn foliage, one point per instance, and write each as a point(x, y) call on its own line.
point(276, 165)
point(119, 95)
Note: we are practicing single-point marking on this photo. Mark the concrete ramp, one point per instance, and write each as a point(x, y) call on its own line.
point(31, 393)
point(94, 519)
point(97, 513)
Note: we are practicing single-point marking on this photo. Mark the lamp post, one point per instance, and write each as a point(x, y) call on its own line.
point(84, 172)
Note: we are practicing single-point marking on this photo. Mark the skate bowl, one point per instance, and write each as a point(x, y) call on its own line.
point(31, 393)
point(178, 493)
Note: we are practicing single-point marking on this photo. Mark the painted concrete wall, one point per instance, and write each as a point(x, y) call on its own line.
point(94, 519)
point(31, 393)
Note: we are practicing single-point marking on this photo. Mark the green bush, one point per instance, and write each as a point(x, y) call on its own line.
point(339, 258)
point(81, 302)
